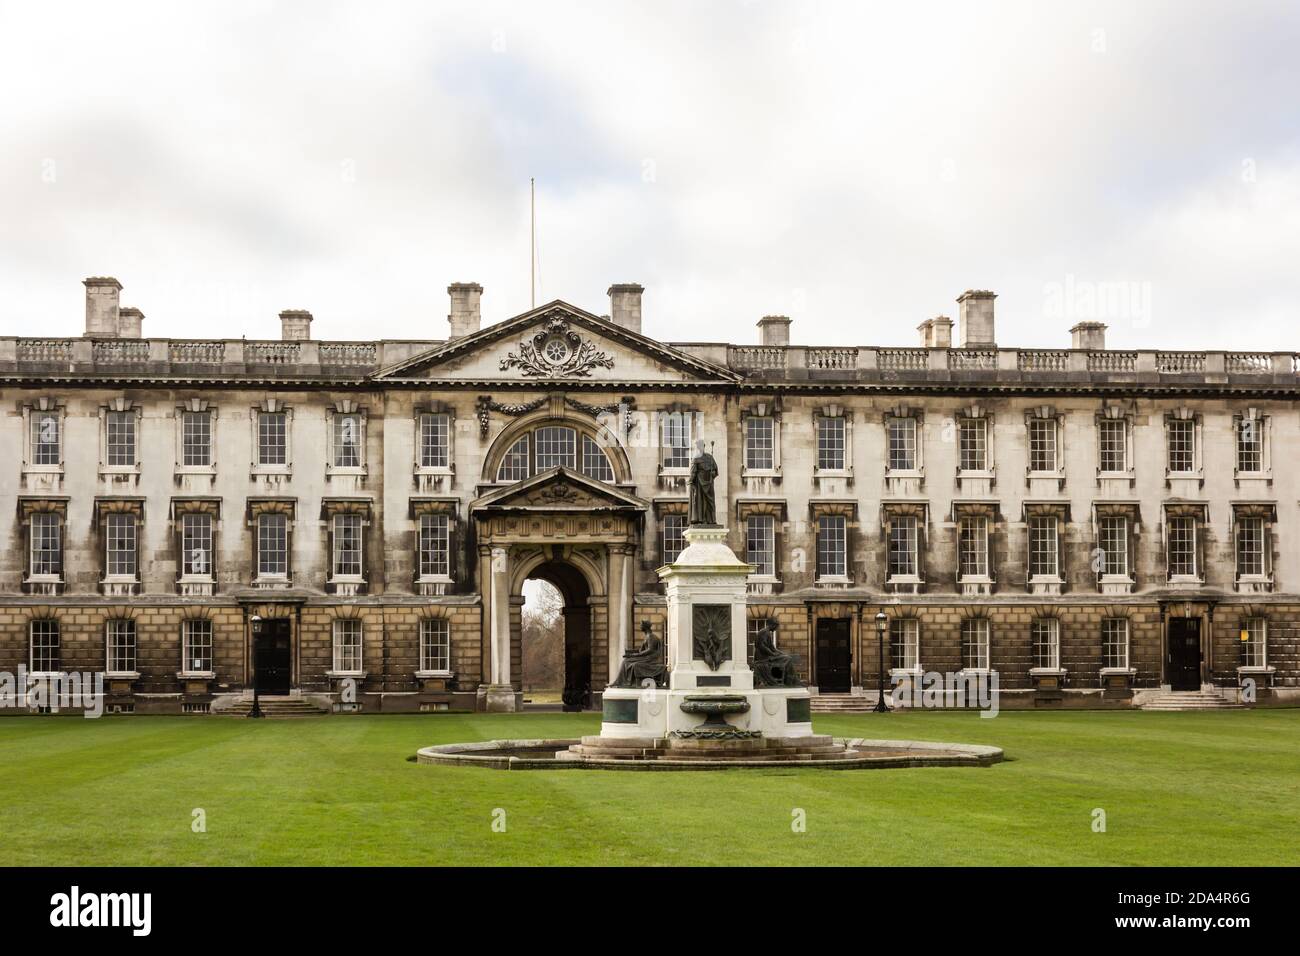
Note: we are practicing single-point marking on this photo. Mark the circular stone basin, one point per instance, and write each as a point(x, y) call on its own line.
point(597, 753)
point(714, 705)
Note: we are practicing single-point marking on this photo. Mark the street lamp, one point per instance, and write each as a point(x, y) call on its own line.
point(257, 706)
point(882, 621)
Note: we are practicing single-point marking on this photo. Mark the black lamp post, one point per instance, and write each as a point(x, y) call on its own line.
point(882, 621)
point(257, 706)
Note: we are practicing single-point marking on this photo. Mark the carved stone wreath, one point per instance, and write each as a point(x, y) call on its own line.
point(557, 351)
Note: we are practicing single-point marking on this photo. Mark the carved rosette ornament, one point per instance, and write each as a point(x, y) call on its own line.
point(557, 352)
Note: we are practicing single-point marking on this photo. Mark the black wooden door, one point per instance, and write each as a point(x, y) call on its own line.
point(271, 664)
point(1184, 660)
point(834, 657)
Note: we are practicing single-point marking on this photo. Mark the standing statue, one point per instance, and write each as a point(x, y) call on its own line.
point(703, 507)
point(772, 666)
point(646, 663)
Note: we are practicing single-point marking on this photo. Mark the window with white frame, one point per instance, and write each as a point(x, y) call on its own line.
point(435, 546)
point(830, 443)
point(347, 545)
point(46, 544)
point(196, 439)
point(675, 436)
point(347, 646)
point(46, 438)
point(120, 438)
point(1182, 546)
point(1254, 643)
point(760, 544)
point(1045, 635)
point(347, 439)
point(45, 657)
point(595, 463)
point(1250, 446)
point(120, 546)
point(832, 546)
point(975, 643)
point(903, 547)
point(1043, 445)
point(753, 626)
point(973, 546)
point(435, 441)
point(435, 645)
point(121, 646)
point(1181, 443)
point(1112, 446)
point(905, 643)
point(1114, 543)
point(972, 444)
point(272, 545)
point(514, 463)
point(759, 443)
point(1044, 547)
point(555, 445)
point(1250, 547)
point(272, 438)
point(901, 438)
point(672, 530)
point(196, 545)
point(1114, 642)
point(196, 646)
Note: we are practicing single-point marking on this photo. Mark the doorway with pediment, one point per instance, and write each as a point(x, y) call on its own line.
point(579, 535)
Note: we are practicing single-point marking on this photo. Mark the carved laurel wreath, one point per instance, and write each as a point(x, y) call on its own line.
point(557, 351)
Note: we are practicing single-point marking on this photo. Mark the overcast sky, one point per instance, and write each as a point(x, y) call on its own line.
point(853, 166)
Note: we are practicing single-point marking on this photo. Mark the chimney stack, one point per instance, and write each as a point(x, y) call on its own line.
point(103, 297)
point(129, 322)
point(936, 333)
point(774, 330)
point(295, 325)
point(976, 318)
point(625, 305)
point(1088, 335)
point(465, 316)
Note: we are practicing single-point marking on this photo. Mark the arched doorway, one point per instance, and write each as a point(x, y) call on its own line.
point(575, 594)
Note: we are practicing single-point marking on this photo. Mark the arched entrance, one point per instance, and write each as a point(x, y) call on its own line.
point(576, 594)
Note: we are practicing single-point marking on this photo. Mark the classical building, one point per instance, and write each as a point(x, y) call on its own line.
point(354, 521)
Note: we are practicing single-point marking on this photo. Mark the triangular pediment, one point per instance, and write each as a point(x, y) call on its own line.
point(559, 489)
point(557, 343)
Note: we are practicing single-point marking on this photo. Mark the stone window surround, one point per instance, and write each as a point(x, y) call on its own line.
point(28, 506)
point(920, 510)
point(330, 508)
point(918, 668)
point(1045, 413)
point(185, 672)
point(1131, 511)
point(972, 413)
point(918, 415)
point(661, 507)
point(1199, 512)
point(1035, 669)
point(434, 408)
point(1113, 412)
point(344, 406)
point(180, 507)
point(196, 406)
point(1266, 511)
point(833, 410)
point(694, 421)
point(135, 631)
point(271, 405)
point(1197, 474)
point(418, 508)
point(256, 507)
point(29, 410)
point(433, 613)
point(848, 510)
point(776, 509)
point(1046, 509)
point(120, 404)
point(117, 584)
point(1265, 426)
point(347, 614)
point(765, 408)
point(991, 512)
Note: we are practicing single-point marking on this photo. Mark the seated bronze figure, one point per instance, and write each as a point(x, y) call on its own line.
point(772, 666)
point(643, 664)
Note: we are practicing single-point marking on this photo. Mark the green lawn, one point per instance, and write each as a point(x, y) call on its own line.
point(1219, 788)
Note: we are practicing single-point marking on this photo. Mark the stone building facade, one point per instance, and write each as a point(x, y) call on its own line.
point(353, 522)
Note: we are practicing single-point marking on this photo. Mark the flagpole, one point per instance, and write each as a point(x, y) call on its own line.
point(532, 243)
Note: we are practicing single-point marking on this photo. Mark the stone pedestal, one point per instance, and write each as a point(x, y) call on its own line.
point(498, 698)
point(706, 641)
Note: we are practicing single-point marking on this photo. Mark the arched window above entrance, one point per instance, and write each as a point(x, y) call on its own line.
point(549, 446)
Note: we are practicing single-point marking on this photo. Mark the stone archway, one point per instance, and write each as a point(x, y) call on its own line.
point(577, 614)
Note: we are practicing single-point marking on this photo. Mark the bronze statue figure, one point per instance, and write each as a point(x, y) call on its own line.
point(772, 666)
point(703, 508)
point(646, 663)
